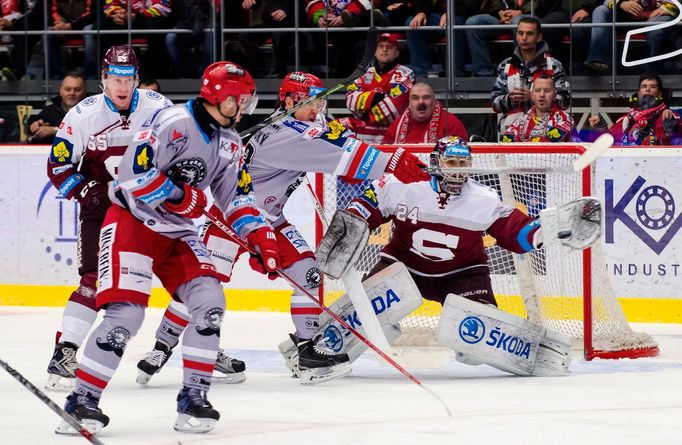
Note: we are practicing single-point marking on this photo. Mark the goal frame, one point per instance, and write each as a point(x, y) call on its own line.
point(589, 352)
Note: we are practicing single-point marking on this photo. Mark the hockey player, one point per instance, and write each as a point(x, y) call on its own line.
point(150, 230)
point(438, 236)
point(86, 151)
point(278, 157)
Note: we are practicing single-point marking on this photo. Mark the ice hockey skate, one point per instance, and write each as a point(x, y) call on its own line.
point(152, 362)
point(232, 369)
point(312, 363)
point(61, 372)
point(195, 412)
point(85, 409)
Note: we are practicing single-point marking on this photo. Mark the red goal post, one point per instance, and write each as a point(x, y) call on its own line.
point(564, 290)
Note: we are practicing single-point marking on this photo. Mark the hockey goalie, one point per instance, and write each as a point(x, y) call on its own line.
point(436, 252)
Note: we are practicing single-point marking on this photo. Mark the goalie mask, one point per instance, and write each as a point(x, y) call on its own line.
point(300, 86)
point(449, 152)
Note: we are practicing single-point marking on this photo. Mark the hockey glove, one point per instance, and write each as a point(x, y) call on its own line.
point(191, 205)
point(94, 200)
point(265, 243)
point(406, 167)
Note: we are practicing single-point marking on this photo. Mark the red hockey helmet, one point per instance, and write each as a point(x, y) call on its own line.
point(120, 60)
point(299, 85)
point(226, 79)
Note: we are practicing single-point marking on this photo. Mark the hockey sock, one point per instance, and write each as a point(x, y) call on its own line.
point(80, 313)
point(105, 346)
point(305, 315)
point(174, 321)
point(206, 304)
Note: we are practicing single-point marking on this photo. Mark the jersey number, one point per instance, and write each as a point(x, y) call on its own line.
point(403, 213)
point(424, 242)
point(98, 142)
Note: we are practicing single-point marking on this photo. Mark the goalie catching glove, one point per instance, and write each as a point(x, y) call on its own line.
point(191, 205)
point(93, 198)
point(265, 243)
point(406, 167)
point(576, 225)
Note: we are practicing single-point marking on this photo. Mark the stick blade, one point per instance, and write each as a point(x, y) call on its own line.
point(598, 148)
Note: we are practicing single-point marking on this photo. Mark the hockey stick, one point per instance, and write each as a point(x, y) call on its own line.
point(367, 58)
point(68, 418)
point(235, 238)
point(597, 148)
point(356, 292)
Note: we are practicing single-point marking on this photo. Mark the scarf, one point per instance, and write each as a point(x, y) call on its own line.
point(636, 125)
point(430, 136)
point(515, 80)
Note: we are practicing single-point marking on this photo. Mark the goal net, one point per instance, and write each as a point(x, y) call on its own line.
point(565, 290)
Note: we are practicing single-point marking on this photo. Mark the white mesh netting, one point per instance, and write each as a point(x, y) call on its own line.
point(548, 286)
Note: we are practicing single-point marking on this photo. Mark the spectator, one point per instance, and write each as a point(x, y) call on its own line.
point(502, 12)
point(545, 121)
point(425, 121)
point(194, 15)
point(655, 11)
point(44, 126)
point(649, 121)
point(145, 14)
point(510, 94)
point(432, 14)
point(149, 84)
point(580, 37)
point(275, 14)
point(20, 15)
point(345, 44)
point(66, 15)
point(380, 95)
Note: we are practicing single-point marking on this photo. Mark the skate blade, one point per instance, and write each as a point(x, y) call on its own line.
point(143, 378)
point(58, 383)
point(319, 375)
point(231, 378)
point(93, 426)
point(188, 424)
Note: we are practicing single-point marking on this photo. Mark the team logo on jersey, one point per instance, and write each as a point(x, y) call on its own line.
point(144, 155)
point(89, 101)
point(116, 340)
point(188, 171)
point(397, 90)
point(244, 185)
point(556, 134)
point(153, 95)
point(370, 195)
point(313, 277)
point(212, 320)
point(61, 151)
point(471, 330)
point(269, 200)
point(177, 140)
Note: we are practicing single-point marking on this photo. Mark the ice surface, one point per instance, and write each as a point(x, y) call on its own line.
point(602, 402)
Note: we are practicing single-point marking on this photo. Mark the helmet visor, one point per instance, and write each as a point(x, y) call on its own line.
point(248, 103)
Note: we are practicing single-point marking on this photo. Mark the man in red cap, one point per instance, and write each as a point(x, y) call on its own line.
point(379, 96)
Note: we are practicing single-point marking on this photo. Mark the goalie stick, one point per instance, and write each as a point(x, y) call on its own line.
point(234, 237)
point(367, 57)
point(68, 418)
point(353, 282)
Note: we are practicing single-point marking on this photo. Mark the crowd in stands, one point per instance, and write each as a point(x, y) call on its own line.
point(186, 41)
point(386, 105)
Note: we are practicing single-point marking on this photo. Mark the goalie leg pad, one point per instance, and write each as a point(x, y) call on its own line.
point(482, 334)
point(393, 294)
point(342, 244)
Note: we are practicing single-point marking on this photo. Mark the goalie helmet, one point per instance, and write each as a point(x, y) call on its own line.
point(226, 79)
point(120, 60)
point(449, 152)
point(299, 86)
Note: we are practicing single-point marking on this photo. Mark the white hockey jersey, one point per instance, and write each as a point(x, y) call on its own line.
point(185, 146)
point(93, 136)
point(279, 155)
point(437, 235)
